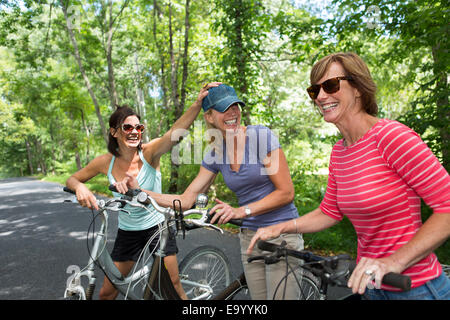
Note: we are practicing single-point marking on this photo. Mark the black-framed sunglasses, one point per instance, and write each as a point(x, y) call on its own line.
point(329, 86)
point(127, 128)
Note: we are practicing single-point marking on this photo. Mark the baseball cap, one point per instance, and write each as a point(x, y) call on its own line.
point(220, 98)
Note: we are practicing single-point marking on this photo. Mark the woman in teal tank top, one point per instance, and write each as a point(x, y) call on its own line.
point(131, 164)
point(148, 178)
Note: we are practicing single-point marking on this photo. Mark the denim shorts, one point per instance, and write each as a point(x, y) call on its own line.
point(436, 289)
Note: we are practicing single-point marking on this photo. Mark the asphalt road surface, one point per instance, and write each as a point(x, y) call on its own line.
point(41, 237)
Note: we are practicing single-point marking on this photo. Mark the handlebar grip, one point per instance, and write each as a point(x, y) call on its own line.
point(68, 190)
point(267, 246)
point(129, 193)
point(267, 259)
point(237, 222)
point(397, 280)
point(251, 259)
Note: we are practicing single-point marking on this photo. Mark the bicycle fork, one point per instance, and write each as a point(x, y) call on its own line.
point(74, 287)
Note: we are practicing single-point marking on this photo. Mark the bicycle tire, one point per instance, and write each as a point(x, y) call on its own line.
point(75, 296)
point(233, 289)
point(309, 289)
point(446, 269)
point(309, 286)
point(206, 265)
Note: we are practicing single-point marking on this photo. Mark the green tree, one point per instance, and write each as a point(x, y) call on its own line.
point(419, 33)
point(243, 24)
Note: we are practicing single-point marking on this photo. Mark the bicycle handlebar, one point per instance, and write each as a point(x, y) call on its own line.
point(144, 198)
point(330, 268)
point(396, 280)
point(138, 198)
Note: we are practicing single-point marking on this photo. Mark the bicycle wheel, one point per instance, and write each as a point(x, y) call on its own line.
point(308, 285)
point(446, 269)
point(206, 265)
point(309, 289)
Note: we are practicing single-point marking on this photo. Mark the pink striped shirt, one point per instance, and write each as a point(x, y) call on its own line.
point(378, 182)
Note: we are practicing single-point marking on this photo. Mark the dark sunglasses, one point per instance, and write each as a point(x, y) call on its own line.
point(127, 128)
point(329, 86)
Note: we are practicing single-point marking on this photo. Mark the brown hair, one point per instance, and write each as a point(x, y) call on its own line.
point(355, 68)
point(115, 121)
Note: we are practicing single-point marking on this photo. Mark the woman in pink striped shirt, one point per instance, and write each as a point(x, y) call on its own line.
point(377, 174)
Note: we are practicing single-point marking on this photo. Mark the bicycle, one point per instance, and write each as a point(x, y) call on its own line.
point(148, 280)
point(318, 272)
point(446, 269)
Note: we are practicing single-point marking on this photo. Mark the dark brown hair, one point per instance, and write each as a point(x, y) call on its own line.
point(355, 68)
point(115, 121)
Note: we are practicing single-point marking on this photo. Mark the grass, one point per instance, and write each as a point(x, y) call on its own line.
point(98, 184)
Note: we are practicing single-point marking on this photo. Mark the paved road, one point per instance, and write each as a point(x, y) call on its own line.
point(41, 236)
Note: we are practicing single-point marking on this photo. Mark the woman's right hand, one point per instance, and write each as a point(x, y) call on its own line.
point(85, 197)
point(267, 233)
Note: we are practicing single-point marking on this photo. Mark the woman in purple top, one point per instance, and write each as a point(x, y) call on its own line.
point(255, 168)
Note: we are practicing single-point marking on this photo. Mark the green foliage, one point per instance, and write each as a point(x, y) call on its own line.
point(417, 34)
point(340, 238)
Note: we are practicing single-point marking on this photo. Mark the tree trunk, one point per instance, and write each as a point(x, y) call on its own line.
point(113, 97)
point(83, 73)
point(173, 68)
point(178, 104)
point(140, 97)
point(41, 157)
point(86, 129)
point(173, 184)
point(185, 57)
point(163, 80)
point(241, 59)
point(442, 103)
point(30, 157)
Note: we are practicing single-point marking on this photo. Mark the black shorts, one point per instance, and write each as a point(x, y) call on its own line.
point(129, 244)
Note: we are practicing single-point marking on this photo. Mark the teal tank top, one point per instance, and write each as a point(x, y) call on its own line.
point(139, 219)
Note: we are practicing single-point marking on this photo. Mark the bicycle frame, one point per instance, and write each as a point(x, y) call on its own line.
point(151, 281)
point(148, 282)
point(234, 288)
point(99, 255)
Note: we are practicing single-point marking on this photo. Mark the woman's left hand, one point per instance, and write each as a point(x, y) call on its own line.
point(204, 91)
point(223, 212)
point(369, 270)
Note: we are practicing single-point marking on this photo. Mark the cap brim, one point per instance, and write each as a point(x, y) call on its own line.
point(227, 102)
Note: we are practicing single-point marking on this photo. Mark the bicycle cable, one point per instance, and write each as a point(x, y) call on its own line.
point(92, 226)
point(142, 254)
point(288, 266)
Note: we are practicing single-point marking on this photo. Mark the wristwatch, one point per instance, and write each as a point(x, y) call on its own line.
point(247, 211)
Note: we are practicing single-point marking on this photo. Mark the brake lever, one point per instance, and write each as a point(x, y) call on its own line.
point(214, 227)
point(201, 223)
point(118, 208)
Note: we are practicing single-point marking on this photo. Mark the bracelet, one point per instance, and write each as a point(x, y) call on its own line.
point(295, 222)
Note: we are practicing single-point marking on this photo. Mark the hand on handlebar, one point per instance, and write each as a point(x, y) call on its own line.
point(369, 270)
point(85, 197)
point(222, 213)
point(267, 233)
point(129, 182)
